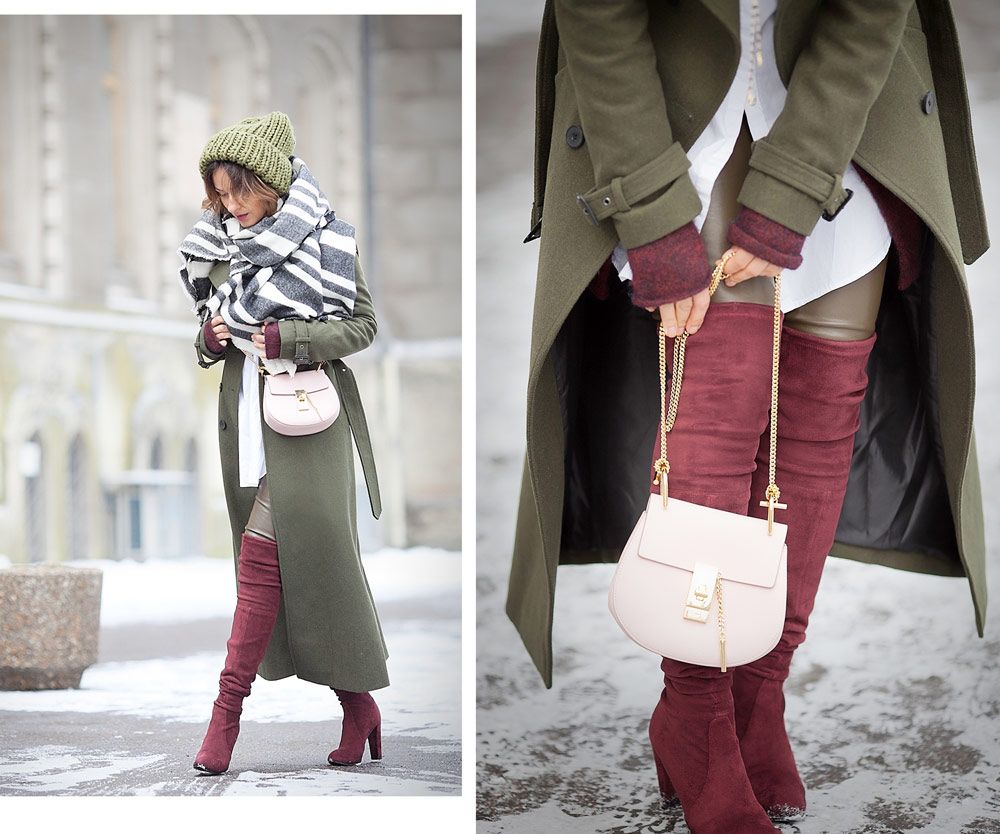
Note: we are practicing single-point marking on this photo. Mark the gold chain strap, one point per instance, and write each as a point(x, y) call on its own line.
point(668, 409)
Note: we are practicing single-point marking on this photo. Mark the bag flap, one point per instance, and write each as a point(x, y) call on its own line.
point(683, 533)
point(285, 384)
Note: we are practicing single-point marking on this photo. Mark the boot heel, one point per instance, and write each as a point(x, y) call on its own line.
point(667, 792)
point(375, 742)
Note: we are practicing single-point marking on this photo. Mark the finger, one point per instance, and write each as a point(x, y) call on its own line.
point(753, 268)
point(698, 310)
point(668, 319)
point(683, 309)
point(738, 261)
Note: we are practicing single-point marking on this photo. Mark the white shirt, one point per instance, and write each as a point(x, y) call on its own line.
point(251, 435)
point(837, 251)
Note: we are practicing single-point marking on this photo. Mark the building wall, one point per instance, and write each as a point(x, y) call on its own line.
point(107, 422)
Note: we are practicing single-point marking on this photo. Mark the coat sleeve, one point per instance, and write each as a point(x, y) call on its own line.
point(317, 341)
point(796, 170)
point(612, 63)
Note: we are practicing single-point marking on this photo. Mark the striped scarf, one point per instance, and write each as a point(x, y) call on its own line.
point(296, 263)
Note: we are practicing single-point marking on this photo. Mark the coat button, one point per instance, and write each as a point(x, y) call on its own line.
point(222, 424)
point(574, 136)
point(927, 102)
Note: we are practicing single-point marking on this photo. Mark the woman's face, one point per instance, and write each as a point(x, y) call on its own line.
point(249, 208)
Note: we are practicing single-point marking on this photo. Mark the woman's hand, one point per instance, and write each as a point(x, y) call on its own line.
point(258, 338)
point(220, 329)
point(686, 314)
point(689, 313)
point(742, 265)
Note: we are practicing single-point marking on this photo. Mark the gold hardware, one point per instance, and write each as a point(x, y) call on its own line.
point(668, 405)
point(721, 618)
point(773, 494)
point(302, 397)
point(699, 598)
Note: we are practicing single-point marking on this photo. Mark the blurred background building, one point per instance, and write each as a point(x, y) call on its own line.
point(109, 427)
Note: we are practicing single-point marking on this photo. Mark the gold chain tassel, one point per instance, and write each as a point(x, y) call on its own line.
point(721, 617)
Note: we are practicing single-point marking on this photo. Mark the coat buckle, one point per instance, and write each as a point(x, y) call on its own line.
point(587, 210)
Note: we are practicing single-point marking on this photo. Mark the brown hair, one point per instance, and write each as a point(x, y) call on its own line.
point(243, 181)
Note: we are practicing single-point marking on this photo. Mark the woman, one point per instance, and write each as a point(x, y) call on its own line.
point(784, 113)
point(275, 276)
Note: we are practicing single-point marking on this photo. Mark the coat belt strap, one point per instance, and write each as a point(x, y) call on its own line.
point(826, 189)
point(624, 192)
point(350, 399)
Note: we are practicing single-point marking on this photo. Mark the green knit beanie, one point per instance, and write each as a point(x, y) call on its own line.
point(260, 143)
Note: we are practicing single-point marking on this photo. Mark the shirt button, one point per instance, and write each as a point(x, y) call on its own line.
point(751, 98)
point(927, 102)
point(222, 424)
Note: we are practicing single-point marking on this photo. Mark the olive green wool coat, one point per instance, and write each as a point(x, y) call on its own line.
point(327, 629)
point(624, 88)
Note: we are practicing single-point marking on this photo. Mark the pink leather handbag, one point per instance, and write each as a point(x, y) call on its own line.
point(683, 559)
point(304, 404)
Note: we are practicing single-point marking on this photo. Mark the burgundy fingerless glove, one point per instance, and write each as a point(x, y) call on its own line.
point(766, 238)
point(670, 269)
point(272, 341)
point(211, 342)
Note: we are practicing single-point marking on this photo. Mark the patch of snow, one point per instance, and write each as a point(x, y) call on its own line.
point(322, 782)
point(57, 769)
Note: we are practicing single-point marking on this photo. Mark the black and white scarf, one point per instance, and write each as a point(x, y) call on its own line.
point(295, 263)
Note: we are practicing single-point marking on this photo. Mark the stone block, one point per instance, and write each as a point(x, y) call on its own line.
point(418, 31)
point(448, 71)
point(400, 74)
point(49, 623)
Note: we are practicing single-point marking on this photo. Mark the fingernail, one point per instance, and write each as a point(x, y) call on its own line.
point(671, 331)
point(693, 329)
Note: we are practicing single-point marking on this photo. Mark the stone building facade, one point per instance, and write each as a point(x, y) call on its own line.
point(109, 442)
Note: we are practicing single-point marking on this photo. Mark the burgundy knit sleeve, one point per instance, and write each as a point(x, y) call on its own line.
point(272, 341)
point(766, 238)
point(669, 269)
point(211, 342)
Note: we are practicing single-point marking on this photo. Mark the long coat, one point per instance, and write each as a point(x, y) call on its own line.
point(623, 89)
point(327, 629)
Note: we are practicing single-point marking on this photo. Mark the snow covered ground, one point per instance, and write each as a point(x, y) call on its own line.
point(893, 700)
point(135, 724)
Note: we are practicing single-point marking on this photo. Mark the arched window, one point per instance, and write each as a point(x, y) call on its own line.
point(329, 122)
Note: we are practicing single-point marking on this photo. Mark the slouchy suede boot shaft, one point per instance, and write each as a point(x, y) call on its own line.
point(724, 401)
point(362, 722)
point(822, 384)
point(258, 595)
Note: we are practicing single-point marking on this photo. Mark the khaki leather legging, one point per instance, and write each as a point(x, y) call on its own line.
point(846, 313)
point(260, 524)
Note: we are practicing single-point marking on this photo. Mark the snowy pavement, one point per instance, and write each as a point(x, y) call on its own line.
point(139, 716)
point(893, 701)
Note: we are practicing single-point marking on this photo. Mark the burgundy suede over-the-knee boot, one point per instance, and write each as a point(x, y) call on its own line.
point(723, 408)
point(258, 594)
point(821, 386)
point(362, 722)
